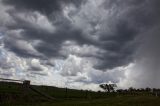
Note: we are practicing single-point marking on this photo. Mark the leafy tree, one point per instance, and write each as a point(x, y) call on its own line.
point(108, 87)
point(148, 89)
point(131, 89)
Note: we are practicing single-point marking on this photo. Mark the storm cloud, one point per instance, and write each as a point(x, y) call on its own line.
point(77, 39)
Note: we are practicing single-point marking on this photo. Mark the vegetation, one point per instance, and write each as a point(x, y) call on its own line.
point(108, 87)
point(15, 94)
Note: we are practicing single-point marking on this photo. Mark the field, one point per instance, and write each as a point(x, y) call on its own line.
point(14, 94)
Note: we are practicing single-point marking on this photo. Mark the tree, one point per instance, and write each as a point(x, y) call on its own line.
point(148, 89)
point(108, 87)
point(131, 89)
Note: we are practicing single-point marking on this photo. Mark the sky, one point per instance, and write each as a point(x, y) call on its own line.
point(81, 43)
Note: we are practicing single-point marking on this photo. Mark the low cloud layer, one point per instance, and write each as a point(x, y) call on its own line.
point(81, 42)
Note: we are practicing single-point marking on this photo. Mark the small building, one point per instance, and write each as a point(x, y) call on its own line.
point(26, 83)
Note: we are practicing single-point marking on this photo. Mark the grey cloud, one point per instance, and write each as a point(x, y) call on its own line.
point(134, 18)
point(106, 77)
point(4, 65)
point(6, 74)
point(36, 65)
point(120, 46)
point(21, 47)
point(127, 20)
point(147, 60)
point(97, 76)
point(33, 73)
point(35, 68)
point(43, 6)
point(146, 70)
point(142, 13)
point(51, 42)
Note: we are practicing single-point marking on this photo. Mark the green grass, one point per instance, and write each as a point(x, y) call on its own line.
point(13, 94)
point(113, 101)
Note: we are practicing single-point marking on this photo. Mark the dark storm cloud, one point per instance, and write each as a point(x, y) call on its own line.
point(43, 6)
point(21, 49)
point(120, 45)
point(148, 59)
point(51, 41)
point(135, 18)
point(129, 20)
point(142, 13)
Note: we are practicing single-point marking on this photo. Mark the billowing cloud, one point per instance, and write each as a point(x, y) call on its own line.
point(83, 42)
point(83, 27)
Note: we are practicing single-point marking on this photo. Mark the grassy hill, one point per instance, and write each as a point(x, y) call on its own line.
point(15, 94)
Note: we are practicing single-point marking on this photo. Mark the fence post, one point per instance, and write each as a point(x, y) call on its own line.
point(86, 94)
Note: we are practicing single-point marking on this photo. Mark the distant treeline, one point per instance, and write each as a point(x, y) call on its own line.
point(134, 91)
point(139, 91)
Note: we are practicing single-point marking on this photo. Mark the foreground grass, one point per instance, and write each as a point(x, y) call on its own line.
point(112, 101)
point(13, 94)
